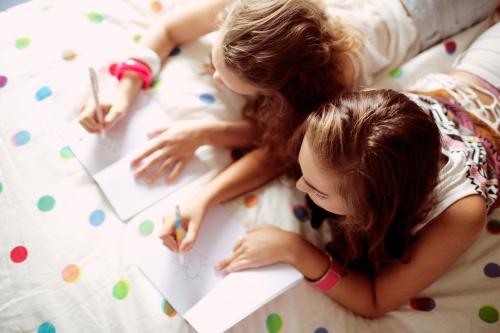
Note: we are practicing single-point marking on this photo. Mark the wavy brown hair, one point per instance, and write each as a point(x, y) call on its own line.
point(294, 53)
point(387, 151)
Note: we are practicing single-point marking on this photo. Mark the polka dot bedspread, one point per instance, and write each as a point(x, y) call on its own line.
point(68, 264)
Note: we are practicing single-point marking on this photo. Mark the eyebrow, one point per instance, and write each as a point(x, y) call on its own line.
point(314, 188)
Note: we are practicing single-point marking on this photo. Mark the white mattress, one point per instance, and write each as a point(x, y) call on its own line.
point(79, 274)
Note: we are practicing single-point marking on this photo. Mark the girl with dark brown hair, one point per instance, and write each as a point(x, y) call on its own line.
point(407, 180)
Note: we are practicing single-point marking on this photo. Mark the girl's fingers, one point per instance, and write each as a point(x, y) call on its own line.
point(155, 158)
point(157, 132)
point(175, 171)
point(191, 235)
point(112, 117)
point(152, 148)
point(239, 265)
point(167, 165)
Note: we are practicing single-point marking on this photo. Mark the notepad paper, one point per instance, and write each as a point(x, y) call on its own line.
point(208, 301)
point(108, 159)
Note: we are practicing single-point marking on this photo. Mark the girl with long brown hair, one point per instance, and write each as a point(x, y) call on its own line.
point(407, 180)
point(288, 57)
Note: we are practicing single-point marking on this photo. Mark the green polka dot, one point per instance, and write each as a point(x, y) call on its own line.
point(1, 187)
point(46, 203)
point(274, 323)
point(47, 7)
point(120, 289)
point(146, 227)
point(66, 153)
point(95, 17)
point(396, 73)
point(488, 314)
point(137, 38)
point(22, 43)
point(155, 84)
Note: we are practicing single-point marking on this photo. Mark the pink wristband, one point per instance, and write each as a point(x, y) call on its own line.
point(136, 66)
point(330, 279)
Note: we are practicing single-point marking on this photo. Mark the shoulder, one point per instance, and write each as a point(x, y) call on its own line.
point(467, 213)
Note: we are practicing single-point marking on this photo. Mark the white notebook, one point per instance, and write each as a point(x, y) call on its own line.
point(208, 301)
point(108, 159)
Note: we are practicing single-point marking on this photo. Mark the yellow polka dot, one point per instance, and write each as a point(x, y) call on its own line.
point(251, 200)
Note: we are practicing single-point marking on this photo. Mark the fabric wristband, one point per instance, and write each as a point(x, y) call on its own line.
point(330, 278)
point(135, 66)
point(146, 56)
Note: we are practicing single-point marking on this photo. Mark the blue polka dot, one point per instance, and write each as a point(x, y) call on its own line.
point(175, 52)
point(207, 98)
point(43, 93)
point(301, 213)
point(321, 330)
point(97, 217)
point(21, 138)
point(46, 328)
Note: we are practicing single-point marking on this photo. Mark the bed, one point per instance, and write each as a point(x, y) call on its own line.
point(68, 263)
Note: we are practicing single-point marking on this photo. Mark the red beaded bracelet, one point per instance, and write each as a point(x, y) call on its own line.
point(136, 66)
point(331, 278)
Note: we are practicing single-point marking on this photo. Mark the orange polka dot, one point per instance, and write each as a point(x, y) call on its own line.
point(156, 6)
point(71, 273)
point(251, 200)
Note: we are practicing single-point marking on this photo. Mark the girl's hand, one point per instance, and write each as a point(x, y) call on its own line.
point(261, 246)
point(169, 153)
point(112, 113)
point(192, 217)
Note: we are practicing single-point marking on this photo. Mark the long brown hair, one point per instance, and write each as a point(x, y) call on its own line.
point(293, 52)
point(387, 150)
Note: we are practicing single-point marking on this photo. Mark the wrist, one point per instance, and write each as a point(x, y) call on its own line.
point(308, 259)
point(210, 131)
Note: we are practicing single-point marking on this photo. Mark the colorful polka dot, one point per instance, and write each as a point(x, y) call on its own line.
point(207, 98)
point(68, 55)
point(146, 227)
point(47, 7)
point(492, 270)
point(22, 43)
point(156, 84)
point(43, 93)
point(137, 38)
point(71, 273)
point(66, 153)
point(156, 6)
point(97, 217)
point(168, 309)
point(1, 187)
point(238, 153)
point(423, 304)
point(46, 328)
point(301, 212)
point(175, 51)
point(46, 203)
point(488, 314)
point(3, 81)
point(21, 138)
point(274, 323)
point(18, 254)
point(493, 226)
point(321, 330)
point(396, 73)
point(94, 17)
point(251, 200)
point(450, 46)
point(120, 289)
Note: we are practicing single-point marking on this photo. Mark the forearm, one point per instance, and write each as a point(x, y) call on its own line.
point(246, 174)
point(230, 134)
point(355, 290)
point(183, 26)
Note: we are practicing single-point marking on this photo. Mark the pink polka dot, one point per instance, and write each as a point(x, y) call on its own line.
point(3, 81)
point(18, 254)
point(423, 303)
point(450, 46)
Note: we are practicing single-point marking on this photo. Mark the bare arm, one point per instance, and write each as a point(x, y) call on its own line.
point(435, 250)
point(186, 25)
point(230, 134)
